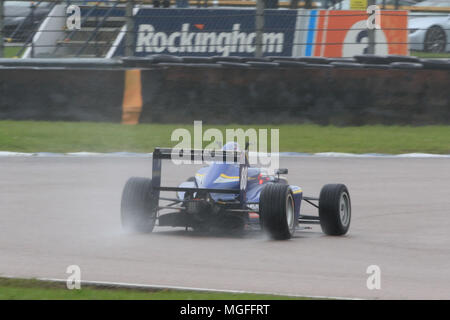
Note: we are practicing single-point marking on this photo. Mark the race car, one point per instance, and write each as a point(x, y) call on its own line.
point(230, 194)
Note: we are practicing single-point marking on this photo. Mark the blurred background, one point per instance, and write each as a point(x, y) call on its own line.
point(293, 28)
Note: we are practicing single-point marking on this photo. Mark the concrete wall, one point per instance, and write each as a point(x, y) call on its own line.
point(61, 94)
point(181, 94)
point(318, 95)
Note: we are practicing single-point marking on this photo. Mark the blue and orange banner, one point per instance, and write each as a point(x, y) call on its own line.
point(290, 33)
point(344, 33)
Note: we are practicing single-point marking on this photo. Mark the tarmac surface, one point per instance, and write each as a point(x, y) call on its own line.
point(61, 211)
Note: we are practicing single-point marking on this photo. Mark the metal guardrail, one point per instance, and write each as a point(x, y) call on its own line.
point(1, 28)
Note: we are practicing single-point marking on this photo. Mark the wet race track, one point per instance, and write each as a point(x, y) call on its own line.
point(61, 211)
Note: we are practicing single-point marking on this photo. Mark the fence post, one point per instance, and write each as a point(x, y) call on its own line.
point(371, 34)
point(259, 25)
point(2, 11)
point(129, 36)
point(33, 7)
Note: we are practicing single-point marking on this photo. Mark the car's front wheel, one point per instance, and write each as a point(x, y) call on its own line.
point(335, 209)
point(435, 40)
point(138, 207)
point(276, 211)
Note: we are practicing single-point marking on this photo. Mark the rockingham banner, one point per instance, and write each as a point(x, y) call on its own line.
point(212, 32)
point(231, 32)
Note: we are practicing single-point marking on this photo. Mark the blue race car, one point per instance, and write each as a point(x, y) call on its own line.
point(229, 194)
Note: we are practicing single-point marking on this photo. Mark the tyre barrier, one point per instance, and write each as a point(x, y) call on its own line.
point(364, 61)
point(258, 64)
point(366, 89)
point(202, 60)
point(345, 60)
point(406, 65)
point(371, 59)
point(348, 65)
point(358, 61)
point(376, 66)
point(396, 58)
point(290, 64)
point(228, 59)
point(233, 64)
point(436, 64)
point(319, 66)
point(313, 60)
point(257, 60)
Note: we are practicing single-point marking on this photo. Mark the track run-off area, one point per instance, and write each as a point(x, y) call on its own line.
point(60, 211)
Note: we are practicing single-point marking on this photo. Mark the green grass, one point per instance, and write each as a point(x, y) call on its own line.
point(11, 52)
point(422, 54)
point(36, 136)
point(30, 289)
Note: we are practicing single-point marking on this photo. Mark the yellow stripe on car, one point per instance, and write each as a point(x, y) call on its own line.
point(223, 175)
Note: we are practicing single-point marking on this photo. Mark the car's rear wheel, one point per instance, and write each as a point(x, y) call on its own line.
point(335, 209)
point(276, 211)
point(138, 207)
point(435, 40)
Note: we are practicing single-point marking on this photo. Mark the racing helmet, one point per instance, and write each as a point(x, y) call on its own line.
point(231, 146)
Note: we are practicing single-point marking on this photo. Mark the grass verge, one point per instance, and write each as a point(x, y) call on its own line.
point(11, 52)
point(31, 289)
point(422, 54)
point(37, 136)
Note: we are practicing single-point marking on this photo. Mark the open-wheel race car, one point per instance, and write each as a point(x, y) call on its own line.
point(229, 194)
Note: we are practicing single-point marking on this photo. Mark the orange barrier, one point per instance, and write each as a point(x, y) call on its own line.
point(132, 97)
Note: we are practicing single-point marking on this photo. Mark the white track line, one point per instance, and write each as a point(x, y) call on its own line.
point(166, 287)
point(282, 154)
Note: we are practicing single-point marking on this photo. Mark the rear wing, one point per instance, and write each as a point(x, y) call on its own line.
point(198, 156)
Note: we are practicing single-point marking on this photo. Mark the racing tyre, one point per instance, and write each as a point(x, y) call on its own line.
point(276, 210)
point(138, 207)
point(334, 209)
point(435, 40)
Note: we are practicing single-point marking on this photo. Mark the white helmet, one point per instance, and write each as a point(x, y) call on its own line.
point(231, 146)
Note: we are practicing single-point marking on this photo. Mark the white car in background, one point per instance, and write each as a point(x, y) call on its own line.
point(19, 21)
point(429, 31)
point(345, 4)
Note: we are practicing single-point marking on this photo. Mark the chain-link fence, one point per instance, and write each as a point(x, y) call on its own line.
point(224, 28)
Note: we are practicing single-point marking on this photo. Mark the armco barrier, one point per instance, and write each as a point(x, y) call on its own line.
point(362, 90)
